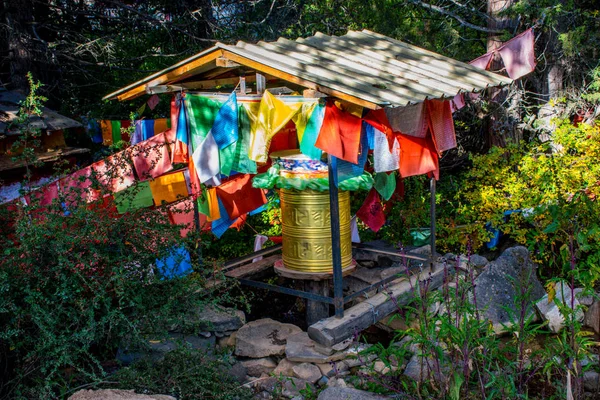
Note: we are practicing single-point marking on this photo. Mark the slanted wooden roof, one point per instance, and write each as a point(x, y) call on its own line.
point(363, 67)
point(50, 120)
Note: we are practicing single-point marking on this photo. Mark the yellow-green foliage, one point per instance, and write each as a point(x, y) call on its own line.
point(556, 183)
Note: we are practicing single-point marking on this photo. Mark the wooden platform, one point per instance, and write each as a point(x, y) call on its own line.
point(332, 330)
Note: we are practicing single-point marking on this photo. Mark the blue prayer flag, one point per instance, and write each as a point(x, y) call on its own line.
point(182, 126)
point(219, 226)
point(225, 127)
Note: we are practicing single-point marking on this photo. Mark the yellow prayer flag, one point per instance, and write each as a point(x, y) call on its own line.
point(301, 118)
point(273, 115)
point(169, 188)
point(213, 204)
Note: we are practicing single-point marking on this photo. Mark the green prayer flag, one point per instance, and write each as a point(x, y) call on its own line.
point(134, 197)
point(385, 184)
point(203, 207)
point(201, 113)
point(116, 131)
point(241, 162)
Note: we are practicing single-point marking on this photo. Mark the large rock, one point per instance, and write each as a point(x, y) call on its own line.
point(341, 393)
point(309, 372)
point(550, 310)
point(257, 367)
point(263, 338)
point(592, 317)
point(289, 387)
point(216, 319)
point(497, 288)
point(301, 348)
point(116, 394)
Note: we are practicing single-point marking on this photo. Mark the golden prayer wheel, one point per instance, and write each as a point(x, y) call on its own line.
point(306, 229)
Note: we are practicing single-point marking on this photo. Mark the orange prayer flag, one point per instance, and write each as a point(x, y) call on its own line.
point(340, 134)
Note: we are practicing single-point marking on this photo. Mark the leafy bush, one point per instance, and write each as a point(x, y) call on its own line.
point(185, 374)
point(552, 186)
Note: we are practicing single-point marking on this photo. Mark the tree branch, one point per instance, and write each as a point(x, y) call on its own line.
point(460, 20)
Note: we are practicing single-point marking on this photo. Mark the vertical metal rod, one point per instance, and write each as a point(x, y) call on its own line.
point(336, 253)
point(432, 220)
point(198, 229)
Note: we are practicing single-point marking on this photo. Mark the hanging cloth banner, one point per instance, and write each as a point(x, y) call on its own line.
point(241, 162)
point(151, 157)
point(208, 204)
point(220, 225)
point(384, 159)
point(169, 188)
point(354, 230)
point(417, 157)
point(441, 124)
point(182, 213)
point(78, 187)
point(259, 241)
point(378, 120)
point(115, 172)
point(206, 160)
point(385, 184)
point(482, 62)
point(310, 132)
point(340, 134)
point(239, 197)
point(182, 136)
point(371, 212)
point(106, 128)
point(273, 115)
point(134, 197)
point(225, 127)
point(410, 120)
point(518, 54)
point(347, 170)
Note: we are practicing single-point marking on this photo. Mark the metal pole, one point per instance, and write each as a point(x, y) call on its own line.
point(432, 220)
point(198, 229)
point(336, 253)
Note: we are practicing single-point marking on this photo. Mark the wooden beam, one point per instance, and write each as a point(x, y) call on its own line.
point(261, 83)
point(331, 331)
point(213, 83)
point(226, 63)
point(182, 72)
point(253, 268)
point(294, 79)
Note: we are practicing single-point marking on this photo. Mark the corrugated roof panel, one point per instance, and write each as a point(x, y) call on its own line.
point(364, 67)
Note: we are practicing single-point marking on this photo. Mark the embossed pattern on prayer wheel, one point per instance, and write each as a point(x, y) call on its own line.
point(306, 229)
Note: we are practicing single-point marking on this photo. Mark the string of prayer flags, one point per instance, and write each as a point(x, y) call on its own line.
point(441, 125)
point(340, 134)
point(182, 213)
point(482, 62)
point(176, 264)
point(161, 125)
point(385, 159)
point(115, 172)
point(182, 136)
point(169, 188)
point(106, 128)
point(94, 131)
point(153, 101)
point(370, 132)
point(225, 127)
point(518, 54)
point(239, 197)
point(208, 204)
point(417, 156)
point(44, 195)
point(371, 212)
point(220, 225)
point(409, 120)
point(241, 162)
point(151, 157)
point(311, 131)
point(385, 184)
point(347, 170)
point(78, 187)
point(273, 115)
point(116, 131)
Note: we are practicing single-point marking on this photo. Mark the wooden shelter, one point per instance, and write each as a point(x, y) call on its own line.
point(359, 69)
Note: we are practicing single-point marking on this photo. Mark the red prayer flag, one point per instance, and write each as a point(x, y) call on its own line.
point(182, 213)
point(239, 197)
point(151, 157)
point(441, 124)
point(371, 212)
point(518, 54)
point(340, 134)
point(417, 156)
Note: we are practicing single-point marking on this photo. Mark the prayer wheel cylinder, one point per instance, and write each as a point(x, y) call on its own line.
point(306, 229)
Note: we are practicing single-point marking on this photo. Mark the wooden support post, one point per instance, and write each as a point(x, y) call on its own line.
point(432, 222)
point(261, 83)
point(243, 85)
point(315, 310)
point(336, 251)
